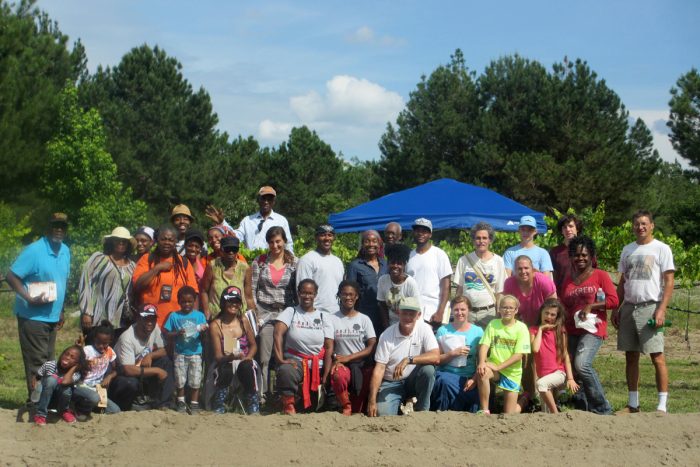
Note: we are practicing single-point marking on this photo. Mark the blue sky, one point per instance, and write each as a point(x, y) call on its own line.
point(346, 68)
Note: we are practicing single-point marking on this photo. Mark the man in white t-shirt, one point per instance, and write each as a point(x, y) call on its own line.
point(431, 269)
point(405, 363)
point(541, 260)
point(646, 283)
point(324, 268)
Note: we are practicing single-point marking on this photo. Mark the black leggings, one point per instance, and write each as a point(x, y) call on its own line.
point(245, 374)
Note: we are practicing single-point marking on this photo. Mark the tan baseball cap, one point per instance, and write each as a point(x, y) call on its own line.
point(267, 190)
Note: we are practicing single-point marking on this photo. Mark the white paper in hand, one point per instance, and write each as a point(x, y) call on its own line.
point(589, 324)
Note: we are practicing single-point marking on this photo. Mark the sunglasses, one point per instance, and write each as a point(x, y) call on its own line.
point(260, 225)
point(230, 249)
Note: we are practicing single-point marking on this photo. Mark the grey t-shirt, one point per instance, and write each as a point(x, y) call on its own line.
point(306, 331)
point(130, 349)
point(351, 334)
point(327, 271)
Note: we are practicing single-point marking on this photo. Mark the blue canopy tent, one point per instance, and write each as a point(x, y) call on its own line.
point(449, 204)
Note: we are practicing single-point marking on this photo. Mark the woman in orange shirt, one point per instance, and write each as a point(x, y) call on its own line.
point(160, 275)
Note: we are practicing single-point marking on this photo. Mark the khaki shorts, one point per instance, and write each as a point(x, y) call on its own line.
point(188, 371)
point(634, 334)
point(482, 317)
point(551, 381)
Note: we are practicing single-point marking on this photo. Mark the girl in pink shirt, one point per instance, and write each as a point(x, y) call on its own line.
point(549, 347)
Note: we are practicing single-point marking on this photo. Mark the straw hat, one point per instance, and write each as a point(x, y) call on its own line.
point(121, 233)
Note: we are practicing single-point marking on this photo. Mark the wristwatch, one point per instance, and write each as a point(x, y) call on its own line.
point(410, 360)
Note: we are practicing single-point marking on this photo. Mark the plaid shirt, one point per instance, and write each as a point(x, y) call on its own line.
point(268, 296)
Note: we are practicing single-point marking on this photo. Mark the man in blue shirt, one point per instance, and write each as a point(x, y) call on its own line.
point(39, 277)
point(541, 260)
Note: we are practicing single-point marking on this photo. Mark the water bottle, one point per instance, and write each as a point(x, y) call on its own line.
point(600, 296)
point(652, 323)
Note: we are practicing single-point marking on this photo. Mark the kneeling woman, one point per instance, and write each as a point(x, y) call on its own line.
point(354, 345)
point(455, 386)
point(303, 347)
point(234, 347)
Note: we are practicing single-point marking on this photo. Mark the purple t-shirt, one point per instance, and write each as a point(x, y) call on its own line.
point(542, 287)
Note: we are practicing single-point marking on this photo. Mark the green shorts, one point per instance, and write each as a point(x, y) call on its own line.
point(634, 334)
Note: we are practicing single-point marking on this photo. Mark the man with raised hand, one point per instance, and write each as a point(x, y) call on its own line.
point(646, 283)
point(324, 268)
point(254, 227)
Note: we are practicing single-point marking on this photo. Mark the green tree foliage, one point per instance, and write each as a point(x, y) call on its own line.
point(436, 132)
point(160, 132)
point(685, 117)
point(34, 66)
point(549, 139)
point(80, 177)
point(12, 231)
point(310, 179)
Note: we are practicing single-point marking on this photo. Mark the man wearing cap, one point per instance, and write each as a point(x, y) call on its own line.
point(431, 268)
point(142, 360)
point(39, 276)
point(253, 228)
point(541, 261)
point(324, 268)
point(392, 233)
point(405, 363)
point(182, 219)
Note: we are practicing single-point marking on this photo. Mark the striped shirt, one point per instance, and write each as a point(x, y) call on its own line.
point(51, 369)
point(104, 289)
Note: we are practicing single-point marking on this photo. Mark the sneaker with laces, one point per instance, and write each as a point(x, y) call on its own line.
point(68, 416)
point(39, 420)
point(194, 408)
point(181, 407)
point(627, 410)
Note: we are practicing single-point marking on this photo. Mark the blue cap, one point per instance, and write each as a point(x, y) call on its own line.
point(528, 220)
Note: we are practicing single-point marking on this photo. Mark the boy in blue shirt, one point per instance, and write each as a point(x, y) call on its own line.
point(184, 327)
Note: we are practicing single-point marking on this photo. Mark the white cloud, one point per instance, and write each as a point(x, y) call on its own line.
point(350, 114)
point(366, 35)
point(348, 99)
point(656, 121)
point(277, 131)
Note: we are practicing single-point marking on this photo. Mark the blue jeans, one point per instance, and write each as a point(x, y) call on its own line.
point(53, 393)
point(582, 351)
point(448, 393)
point(419, 383)
point(86, 399)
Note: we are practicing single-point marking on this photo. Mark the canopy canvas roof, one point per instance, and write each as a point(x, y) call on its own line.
point(448, 204)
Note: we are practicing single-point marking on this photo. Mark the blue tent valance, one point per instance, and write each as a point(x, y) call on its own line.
point(449, 204)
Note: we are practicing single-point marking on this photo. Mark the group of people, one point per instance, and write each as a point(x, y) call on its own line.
point(172, 318)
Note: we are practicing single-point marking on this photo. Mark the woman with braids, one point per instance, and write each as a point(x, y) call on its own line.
point(160, 275)
point(273, 279)
point(366, 270)
point(586, 320)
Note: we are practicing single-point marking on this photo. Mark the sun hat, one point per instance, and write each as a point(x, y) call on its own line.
point(181, 209)
point(121, 233)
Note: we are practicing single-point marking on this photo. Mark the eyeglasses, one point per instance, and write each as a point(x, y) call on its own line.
point(508, 308)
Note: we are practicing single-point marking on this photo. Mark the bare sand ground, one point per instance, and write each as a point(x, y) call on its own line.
point(168, 438)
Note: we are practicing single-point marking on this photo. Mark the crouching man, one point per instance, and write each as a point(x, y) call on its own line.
point(405, 363)
point(144, 368)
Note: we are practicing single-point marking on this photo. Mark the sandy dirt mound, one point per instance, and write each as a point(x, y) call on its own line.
point(160, 438)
